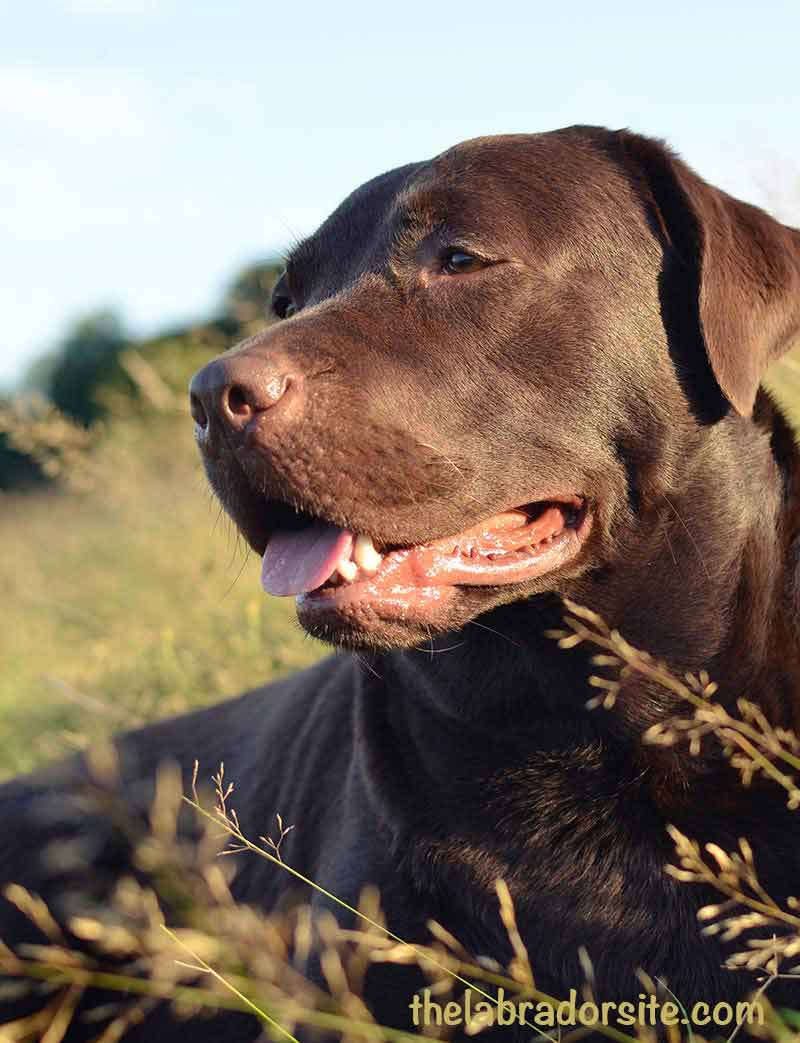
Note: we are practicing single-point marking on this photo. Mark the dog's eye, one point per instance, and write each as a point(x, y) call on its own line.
point(283, 307)
point(457, 262)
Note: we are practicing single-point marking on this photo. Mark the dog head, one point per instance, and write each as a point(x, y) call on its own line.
point(488, 365)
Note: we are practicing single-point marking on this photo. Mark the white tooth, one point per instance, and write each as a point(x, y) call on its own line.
point(348, 570)
point(365, 555)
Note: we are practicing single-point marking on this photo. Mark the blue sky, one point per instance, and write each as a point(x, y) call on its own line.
point(149, 147)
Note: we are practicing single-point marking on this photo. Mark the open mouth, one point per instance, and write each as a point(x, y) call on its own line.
point(330, 568)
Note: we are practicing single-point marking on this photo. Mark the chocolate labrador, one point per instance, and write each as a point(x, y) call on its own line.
point(526, 369)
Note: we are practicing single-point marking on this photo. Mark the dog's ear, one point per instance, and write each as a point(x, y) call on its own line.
point(743, 267)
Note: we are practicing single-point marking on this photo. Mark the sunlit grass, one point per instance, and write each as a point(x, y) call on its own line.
point(131, 601)
point(783, 380)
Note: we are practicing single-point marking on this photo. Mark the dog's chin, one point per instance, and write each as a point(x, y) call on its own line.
point(353, 595)
point(380, 627)
point(358, 619)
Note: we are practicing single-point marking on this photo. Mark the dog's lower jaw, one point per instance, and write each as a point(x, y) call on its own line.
point(438, 588)
point(360, 627)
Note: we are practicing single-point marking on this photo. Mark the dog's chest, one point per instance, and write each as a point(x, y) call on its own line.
point(553, 832)
point(583, 854)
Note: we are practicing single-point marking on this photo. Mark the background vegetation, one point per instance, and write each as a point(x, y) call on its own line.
point(126, 594)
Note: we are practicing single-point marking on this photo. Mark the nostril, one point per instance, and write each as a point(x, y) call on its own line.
point(199, 414)
point(232, 391)
point(236, 401)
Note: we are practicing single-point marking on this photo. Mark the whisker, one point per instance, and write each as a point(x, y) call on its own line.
point(669, 544)
point(368, 666)
point(236, 580)
point(505, 637)
point(691, 537)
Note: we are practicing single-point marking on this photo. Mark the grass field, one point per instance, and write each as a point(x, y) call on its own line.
point(135, 599)
point(128, 602)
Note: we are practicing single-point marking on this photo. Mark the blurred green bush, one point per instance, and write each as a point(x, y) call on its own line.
point(98, 370)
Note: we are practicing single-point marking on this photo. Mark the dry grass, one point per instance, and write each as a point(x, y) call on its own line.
point(217, 955)
point(129, 600)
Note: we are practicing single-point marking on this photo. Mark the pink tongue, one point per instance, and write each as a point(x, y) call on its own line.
point(295, 562)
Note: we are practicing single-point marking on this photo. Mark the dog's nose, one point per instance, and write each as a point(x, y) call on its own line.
point(235, 388)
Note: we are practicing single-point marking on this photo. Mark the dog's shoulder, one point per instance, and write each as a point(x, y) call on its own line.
point(72, 831)
point(63, 812)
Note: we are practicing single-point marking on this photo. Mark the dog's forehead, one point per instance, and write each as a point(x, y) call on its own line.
point(515, 191)
point(357, 222)
point(558, 177)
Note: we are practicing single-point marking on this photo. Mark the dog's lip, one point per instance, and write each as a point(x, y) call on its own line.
point(415, 582)
point(274, 515)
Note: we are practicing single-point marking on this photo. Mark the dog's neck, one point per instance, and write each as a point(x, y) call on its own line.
point(714, 579)
point(663, 594)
